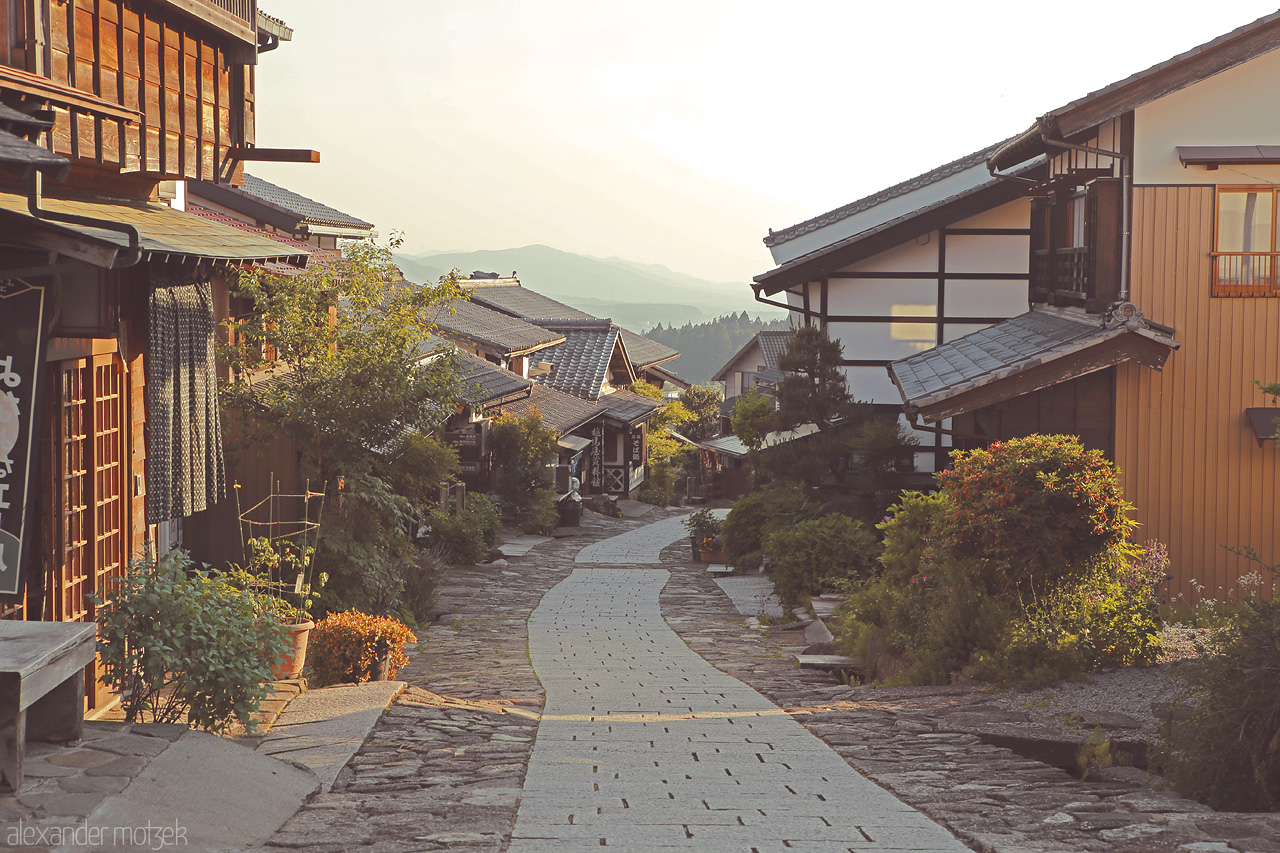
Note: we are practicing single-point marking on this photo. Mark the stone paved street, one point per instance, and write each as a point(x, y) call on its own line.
point(462, 752)
point(641, 546)
point(643, 745)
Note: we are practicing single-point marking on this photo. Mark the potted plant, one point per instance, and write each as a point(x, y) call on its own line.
point(704, 534)
point(279, 576)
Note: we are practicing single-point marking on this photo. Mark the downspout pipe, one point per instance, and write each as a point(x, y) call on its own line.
point(807, 312)
point(35, 195)
point(1126, 177)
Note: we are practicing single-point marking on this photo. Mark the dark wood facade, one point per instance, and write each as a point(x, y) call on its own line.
point(158, 90)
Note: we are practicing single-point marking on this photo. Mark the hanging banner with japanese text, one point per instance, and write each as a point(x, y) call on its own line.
point(21, 357)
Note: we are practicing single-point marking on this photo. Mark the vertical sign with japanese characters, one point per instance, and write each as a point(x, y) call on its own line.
point(21, 356)
point(597, 457)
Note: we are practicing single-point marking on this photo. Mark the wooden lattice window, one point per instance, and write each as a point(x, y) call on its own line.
point(88, 503)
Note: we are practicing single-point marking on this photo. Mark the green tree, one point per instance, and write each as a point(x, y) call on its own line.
point(663, 447)
point(522, 450)
point(333, 358)
point(753, 418)
point(814, 390)
point(703, 404)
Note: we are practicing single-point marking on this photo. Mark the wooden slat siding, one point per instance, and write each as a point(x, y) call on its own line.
point(133, 48)
point(153, 145)
point(85, 138)
point(1189, 463)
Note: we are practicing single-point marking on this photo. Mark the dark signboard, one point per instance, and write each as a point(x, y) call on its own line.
point(21, 356)
point(637, 448)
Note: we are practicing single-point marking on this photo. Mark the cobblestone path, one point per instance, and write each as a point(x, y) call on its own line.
point(643, 745)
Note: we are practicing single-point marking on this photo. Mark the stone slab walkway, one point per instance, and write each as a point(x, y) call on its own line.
point(641, 546)
point(644, 746)
point(322, 729)
point(752, 595)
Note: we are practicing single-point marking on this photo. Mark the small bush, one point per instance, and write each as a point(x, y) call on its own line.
point(349, 647)
point(424, 574)
point(466, 537)
point(179, 645)
point(1032, 512)
point(811, 556)
point(1227, 754)
point(763, 511)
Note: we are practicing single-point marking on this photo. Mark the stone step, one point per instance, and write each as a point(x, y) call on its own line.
point(830, 663)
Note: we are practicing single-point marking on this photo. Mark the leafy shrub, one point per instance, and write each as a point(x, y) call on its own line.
point(177, 644)
point(1032, 512)
point(756, 515)
point(468, 536)
point(939, 609)
point(1226, 755)
point(349, 647)
point(809, 557)
point(424, 573)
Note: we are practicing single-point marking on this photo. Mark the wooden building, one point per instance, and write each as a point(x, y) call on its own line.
point(110, 295)
point(1142, 218)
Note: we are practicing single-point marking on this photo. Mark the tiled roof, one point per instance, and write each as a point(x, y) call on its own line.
point(561, 412)
point(628, 406)
point(868, 202)
point(166, 234)
point(519, 301)
point(316, 257)
point(1004, 350)
point(645, 352)
point(732, 446)
point(580, 365)
point(772, 343)
point(483, 382)
point(311, 211)
point(493, 329)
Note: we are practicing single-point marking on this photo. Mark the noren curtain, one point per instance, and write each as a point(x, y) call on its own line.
point(185, 471)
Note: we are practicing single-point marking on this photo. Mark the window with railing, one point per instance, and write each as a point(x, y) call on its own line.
point(1244, 256)
point(1076, 246)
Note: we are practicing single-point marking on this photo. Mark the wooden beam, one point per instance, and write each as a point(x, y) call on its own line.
point(275, 155)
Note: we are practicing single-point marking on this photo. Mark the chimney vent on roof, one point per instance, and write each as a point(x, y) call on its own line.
point(483, 274)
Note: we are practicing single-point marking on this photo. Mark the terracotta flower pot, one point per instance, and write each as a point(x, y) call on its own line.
point(295, 656)
point(709, 557)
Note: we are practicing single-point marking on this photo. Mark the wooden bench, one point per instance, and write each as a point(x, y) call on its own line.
point(719, 570)
point(41, 671)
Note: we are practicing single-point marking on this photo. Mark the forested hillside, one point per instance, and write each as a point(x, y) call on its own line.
point(705, 347)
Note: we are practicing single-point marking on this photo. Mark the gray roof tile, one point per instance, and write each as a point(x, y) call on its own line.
point(310, 211)
point(520, 301)
point(559, 411)
point(483, 382)
point(580, 365)
point(493, 329)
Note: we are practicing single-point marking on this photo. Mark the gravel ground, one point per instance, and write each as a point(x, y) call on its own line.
point(1129, 691)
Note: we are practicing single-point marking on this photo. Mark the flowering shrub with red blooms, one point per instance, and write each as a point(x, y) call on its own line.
point(1033, 511)
point(348, 646)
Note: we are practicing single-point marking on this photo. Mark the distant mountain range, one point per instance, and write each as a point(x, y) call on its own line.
point(635, 295)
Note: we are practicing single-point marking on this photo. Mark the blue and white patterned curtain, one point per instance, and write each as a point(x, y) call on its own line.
point(185, 472)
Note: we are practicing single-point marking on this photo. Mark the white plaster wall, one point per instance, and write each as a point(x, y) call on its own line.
point(918, 255)
point(1234, 107)
point(884, 340)
point(1013, 214)
point(959, 330)
point(987, 253)
point(970, 298)
point(882, 297)
point(872, 385)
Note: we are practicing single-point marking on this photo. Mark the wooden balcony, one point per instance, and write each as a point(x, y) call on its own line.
point(1245, 274)
point(237, 18)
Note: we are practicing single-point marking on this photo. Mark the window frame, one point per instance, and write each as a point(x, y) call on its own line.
point(1270, 287)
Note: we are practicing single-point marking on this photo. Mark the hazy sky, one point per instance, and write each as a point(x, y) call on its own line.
point(672, 132)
